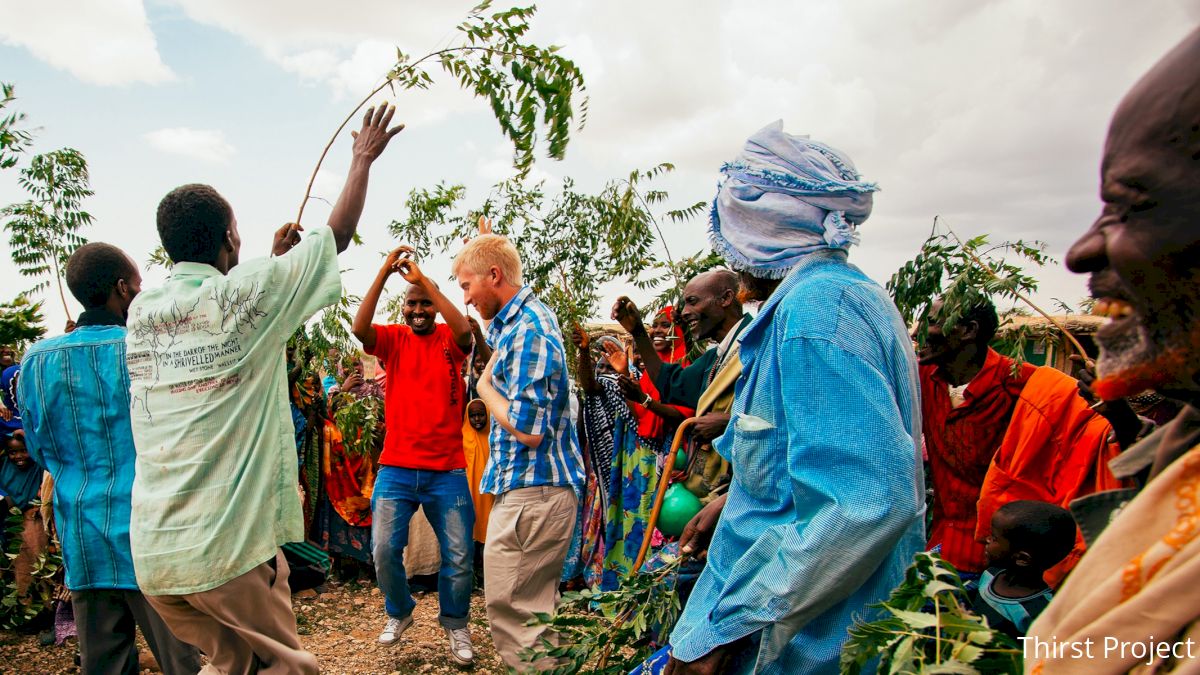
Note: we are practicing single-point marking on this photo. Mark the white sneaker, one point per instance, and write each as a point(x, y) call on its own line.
point(394, 629)
point(460, 645)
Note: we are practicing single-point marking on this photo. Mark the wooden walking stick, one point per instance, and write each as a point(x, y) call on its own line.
point(663, 481)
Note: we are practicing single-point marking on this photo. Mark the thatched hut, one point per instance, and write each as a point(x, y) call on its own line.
point(1043, 344)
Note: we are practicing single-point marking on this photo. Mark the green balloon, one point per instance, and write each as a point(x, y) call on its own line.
point(679, 506)
point(680, 460)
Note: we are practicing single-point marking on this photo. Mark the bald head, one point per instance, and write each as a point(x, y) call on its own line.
point(715, 281)
point(710, 305)
point(1163, 108)
point(1143, 252)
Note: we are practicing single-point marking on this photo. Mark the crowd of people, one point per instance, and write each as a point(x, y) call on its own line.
point(183, 448)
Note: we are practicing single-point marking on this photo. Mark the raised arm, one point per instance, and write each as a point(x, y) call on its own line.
point(459, 326)
point(369, 143)
point(626, 313)
point(585, 369)
point(481, 344)
point(362, 327)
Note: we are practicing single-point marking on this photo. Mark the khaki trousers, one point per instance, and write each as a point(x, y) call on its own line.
point(528, 536)
point(244, 626)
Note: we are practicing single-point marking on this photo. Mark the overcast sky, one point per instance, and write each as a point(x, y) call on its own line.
point(990, 114)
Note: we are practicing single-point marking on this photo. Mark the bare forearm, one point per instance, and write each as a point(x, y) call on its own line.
point(650, 359)
point(346, 212)
point(586, 372)
point(362, 328)
point(481, 344)
point(459, 326)
point(497, 405)
point(666, 412)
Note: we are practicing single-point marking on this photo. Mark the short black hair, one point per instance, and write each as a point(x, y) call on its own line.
point(1044, 531)
point(93, 271)
point(983, 313)
point(192, 222)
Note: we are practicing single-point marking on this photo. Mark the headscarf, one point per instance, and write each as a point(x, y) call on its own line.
point(8, 390)
point(783, 197)
point(476, 450)
point(678, 346)
point(603, 411)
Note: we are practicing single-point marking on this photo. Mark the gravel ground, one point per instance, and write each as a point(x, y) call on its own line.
point(339, 625)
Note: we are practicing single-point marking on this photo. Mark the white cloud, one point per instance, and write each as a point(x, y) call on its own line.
point(325, 43)
point(105, 43)
point(204, 144)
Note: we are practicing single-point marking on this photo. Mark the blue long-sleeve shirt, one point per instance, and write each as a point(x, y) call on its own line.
point(825, 511)
point(74, 393)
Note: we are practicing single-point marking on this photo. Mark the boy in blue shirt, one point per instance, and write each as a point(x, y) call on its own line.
point(1027, 538)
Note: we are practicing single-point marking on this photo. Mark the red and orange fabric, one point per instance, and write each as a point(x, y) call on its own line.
point(650, 425)
point(1055, 450)
point(960, 443)
point(349, 479)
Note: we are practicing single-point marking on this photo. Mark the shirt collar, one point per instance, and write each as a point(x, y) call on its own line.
point(792, 280)
point(994, 369)
point(510, 310)
point(731, 337)
point(193, 269)
point(98, 316)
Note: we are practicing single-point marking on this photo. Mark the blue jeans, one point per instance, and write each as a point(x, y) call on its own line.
point(446, 499)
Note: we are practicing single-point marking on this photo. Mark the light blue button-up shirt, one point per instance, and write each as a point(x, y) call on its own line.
point(75, 399)
point(216, 493)
point(825, 511)
point(531, 372)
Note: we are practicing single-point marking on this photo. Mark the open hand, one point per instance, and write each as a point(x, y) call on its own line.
point(626, 313)
point(370, 141)
point(483, 226)
point(616, 357)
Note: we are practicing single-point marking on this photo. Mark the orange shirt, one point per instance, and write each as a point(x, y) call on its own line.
point(1056, 449)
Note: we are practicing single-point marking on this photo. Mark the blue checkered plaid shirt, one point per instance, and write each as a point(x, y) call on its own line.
point(531, 372)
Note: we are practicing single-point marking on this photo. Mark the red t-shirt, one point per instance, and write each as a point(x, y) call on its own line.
point(423, 404)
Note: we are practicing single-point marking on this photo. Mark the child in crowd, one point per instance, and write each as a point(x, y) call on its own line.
point(21, 481)
point(1027, 538)
point(476, 425)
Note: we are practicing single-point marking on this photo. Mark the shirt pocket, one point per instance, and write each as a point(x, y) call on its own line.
point(759, 456)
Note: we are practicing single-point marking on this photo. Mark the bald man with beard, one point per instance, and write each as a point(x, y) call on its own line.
point(1135, 597)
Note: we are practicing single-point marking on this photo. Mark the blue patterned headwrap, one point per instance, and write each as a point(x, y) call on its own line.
point(783, 197)
point(8, 390)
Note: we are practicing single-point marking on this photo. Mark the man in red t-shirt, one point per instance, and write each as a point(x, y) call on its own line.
point(422, 462)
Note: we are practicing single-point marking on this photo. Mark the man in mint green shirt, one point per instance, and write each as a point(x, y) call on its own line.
point(215, 492)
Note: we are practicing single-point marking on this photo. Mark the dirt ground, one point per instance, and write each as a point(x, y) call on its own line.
point(339, 625)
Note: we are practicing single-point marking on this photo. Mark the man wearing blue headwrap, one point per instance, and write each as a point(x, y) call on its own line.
point(826, 506)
